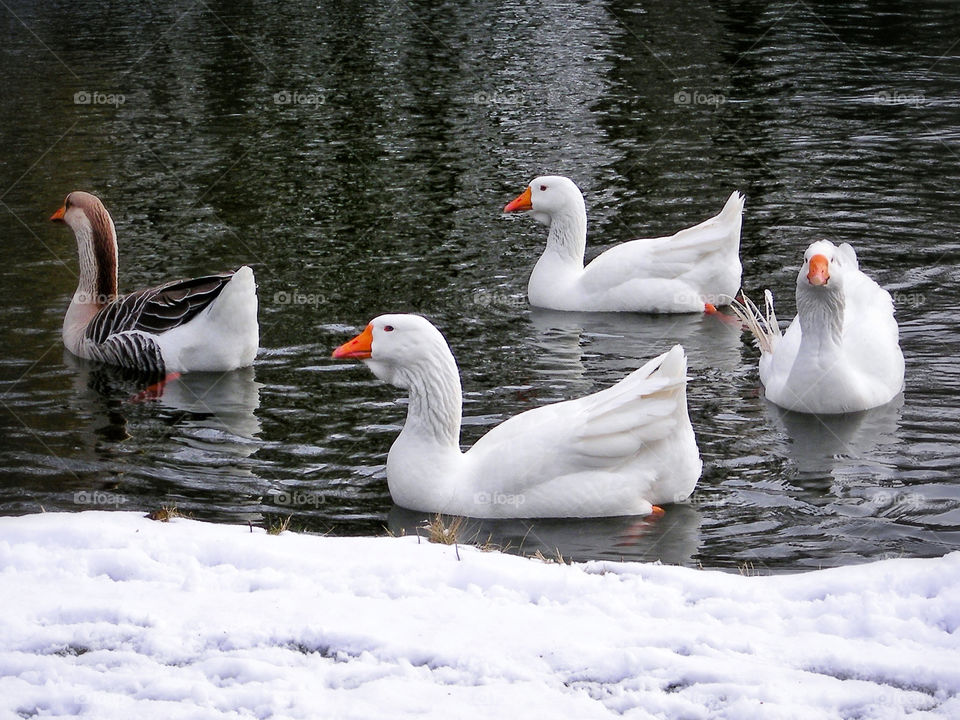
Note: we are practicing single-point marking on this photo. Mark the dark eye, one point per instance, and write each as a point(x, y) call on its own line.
point(543, 188)
point(388, 328)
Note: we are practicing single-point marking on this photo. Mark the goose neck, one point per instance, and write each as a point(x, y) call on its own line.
point(821, 313)
point(568, 235)
point(435, 404)
point(97, 253)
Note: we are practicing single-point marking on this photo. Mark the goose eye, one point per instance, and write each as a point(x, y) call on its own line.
point(543, 188)
point(388, 328)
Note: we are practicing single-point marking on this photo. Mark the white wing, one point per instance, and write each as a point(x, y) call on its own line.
point(619, 440)
point(668, 258)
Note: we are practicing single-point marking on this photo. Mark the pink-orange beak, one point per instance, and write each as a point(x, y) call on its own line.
point(819, 273)
point(522, 202)
point(360, 348)
point(58, 215)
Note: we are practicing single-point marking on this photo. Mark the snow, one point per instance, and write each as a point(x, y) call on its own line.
point(111, 615)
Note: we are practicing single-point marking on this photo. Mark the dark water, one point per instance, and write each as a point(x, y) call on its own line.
point(358, 154)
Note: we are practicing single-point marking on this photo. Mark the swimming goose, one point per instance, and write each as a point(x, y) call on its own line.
point(616, 452)
point(842, 352)
point(206, 323)
point(677, 274)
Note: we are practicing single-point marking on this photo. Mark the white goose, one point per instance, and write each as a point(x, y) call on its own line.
point(842, 352)
point(206, 323)
point(684, 272)
point(616, 452)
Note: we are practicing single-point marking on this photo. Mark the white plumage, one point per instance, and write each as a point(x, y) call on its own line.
point(676, 274)
point(616, 452)
point(841, 353)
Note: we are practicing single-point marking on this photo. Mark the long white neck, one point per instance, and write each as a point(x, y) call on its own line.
point(821, 319)
point(436, 402)
point(568, 234)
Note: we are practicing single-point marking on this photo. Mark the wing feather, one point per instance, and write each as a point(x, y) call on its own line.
point(158, 309)
point(599, 432)
point(671, 257)
point(131, 349)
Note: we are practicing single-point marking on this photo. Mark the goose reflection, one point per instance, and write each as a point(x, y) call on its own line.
point(216, 412)
point(673, 538)
point(623, 341)
point(831, 446)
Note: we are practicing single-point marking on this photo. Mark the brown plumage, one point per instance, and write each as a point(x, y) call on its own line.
point(134, 330)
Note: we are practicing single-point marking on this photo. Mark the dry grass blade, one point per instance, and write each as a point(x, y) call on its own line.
point(279, 526)
point(165, 514)
point(444, 534)
point(557, 557)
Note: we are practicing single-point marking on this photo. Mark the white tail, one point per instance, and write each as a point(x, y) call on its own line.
point(733, 206)
point(763, 325)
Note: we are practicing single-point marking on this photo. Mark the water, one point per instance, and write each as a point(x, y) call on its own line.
point(358, 155)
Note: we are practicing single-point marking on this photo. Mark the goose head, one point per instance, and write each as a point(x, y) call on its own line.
point(824, 267)
point(96, 238)
point(549, 197)
point(397, 347)
point(80, 209)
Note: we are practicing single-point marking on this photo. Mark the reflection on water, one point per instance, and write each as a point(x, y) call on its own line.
point(221, 403)
point(672, 538)
point(827, 446)
point(358, 156)
point(625, 340)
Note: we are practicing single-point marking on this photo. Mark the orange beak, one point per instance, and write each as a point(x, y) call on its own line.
point(360, 348)
point(58, 215)
point(519, 203)
point(819, 272)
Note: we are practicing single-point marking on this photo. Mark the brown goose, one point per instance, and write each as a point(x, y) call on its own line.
point(206, 323)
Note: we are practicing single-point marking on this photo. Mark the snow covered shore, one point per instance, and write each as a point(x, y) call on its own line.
point(111, 615)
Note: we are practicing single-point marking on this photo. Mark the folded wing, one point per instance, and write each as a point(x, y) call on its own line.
point(594, 436)
point(158, 309)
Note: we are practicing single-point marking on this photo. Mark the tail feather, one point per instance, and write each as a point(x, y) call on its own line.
point(734, 205)
point(763, 325)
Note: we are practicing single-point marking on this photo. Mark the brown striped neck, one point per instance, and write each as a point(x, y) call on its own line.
point(96, 249)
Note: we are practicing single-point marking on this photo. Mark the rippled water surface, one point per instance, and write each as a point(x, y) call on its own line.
point(358, 155)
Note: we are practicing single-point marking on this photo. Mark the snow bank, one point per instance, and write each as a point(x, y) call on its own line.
point(110, 615)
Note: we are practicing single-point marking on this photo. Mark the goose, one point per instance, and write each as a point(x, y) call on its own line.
point(686, 272)
point(841, 353)
point(202, 324)
point(617, 452)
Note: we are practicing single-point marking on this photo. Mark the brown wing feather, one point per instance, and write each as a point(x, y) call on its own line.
point(156, 310)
